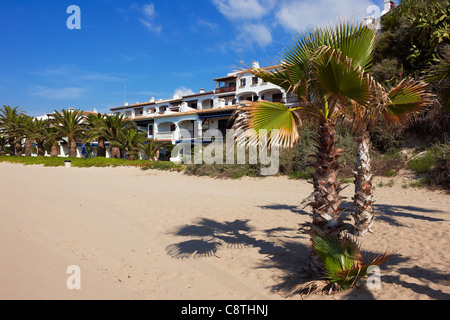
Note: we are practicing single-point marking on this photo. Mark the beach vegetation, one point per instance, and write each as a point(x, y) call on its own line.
point(342, 264)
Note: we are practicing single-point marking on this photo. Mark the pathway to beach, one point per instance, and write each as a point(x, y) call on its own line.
point(161, 235)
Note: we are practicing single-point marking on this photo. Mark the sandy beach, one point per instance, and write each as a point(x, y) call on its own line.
point(164, 235)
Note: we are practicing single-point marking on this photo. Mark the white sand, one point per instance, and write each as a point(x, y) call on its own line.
point(159, 235)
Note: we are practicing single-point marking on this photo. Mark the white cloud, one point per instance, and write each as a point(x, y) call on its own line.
point(256, 20)
point(299, 15)
point(244, 9)
point(148, 14)
point(204, 23)
point(254, 33)
point(183, 91)
point(58, 94)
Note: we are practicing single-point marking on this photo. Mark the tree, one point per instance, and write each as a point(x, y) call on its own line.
point(413, 35)
point(130, 141)
point(37, 130)
point(110, 128)
point(150, 148)
point(3, 143)
point(440, 75)
point(390, 108)
point(326, 69)
point(94, 124)
point(11, 123)
point(70, 125)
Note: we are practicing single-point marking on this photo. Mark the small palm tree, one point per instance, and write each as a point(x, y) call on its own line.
point(151, 148)
point(130, 141)
point(70, 125)
point(343, 265)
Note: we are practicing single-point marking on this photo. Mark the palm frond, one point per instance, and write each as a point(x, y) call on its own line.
point(407, 97)
point(255, 119)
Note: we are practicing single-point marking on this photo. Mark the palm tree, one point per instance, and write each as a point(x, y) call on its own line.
point(3, 143)
point(70, 125)
point(151, 148)
point(11, 122)
point(25, 132)
point(53, 139)
point(37, 130)
point(130, 141)
point(343, 264)
point(94, 124)
point(110, 129)
point(389, 107)
point(326, 69)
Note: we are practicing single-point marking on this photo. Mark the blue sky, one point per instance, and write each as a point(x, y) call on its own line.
point(153, 48)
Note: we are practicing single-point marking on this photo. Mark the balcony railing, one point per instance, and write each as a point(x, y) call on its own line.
point(225, 89)
point(165, 136)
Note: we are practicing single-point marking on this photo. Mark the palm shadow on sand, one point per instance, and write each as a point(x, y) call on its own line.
point(284, 249)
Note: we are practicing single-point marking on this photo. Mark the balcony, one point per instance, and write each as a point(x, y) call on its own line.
point(225, 89)
point(168, 135)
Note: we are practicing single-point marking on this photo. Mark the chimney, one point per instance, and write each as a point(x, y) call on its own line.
point(152, 99)
point(126, 104)
point(202, 90)
point(387, 5)
point(256, 64)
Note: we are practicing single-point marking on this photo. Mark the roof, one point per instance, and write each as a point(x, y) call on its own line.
point(226, 78)
point(198, 95)
point(229, 108)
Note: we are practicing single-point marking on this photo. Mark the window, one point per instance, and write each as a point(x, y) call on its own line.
point(243, 82)
point(172, 127)
point(255, 80)
point(278, 97)
point(150, 130)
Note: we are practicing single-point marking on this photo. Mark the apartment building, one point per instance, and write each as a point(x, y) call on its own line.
point(165, 120)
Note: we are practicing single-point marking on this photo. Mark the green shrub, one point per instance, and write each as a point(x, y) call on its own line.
point(423, 164)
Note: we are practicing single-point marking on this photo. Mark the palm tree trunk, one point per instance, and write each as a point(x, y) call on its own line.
point(326, 200)
point(364, 214)
point(101, 150)
point(115, 153)
point(40, 149)
point(12, 149)
point(18, 148)
point(27, 148)
point(73, 148)
point(54, 152)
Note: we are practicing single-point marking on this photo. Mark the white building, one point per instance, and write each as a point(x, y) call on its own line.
point(163, 120)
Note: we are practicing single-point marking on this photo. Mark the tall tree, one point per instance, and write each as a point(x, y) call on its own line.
point(326, 68)
point(70, 125)
point(11, 123)
point(130, 141)
point(94, 124)
point(388, 108)
point(37, 130)
point(111, 129)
